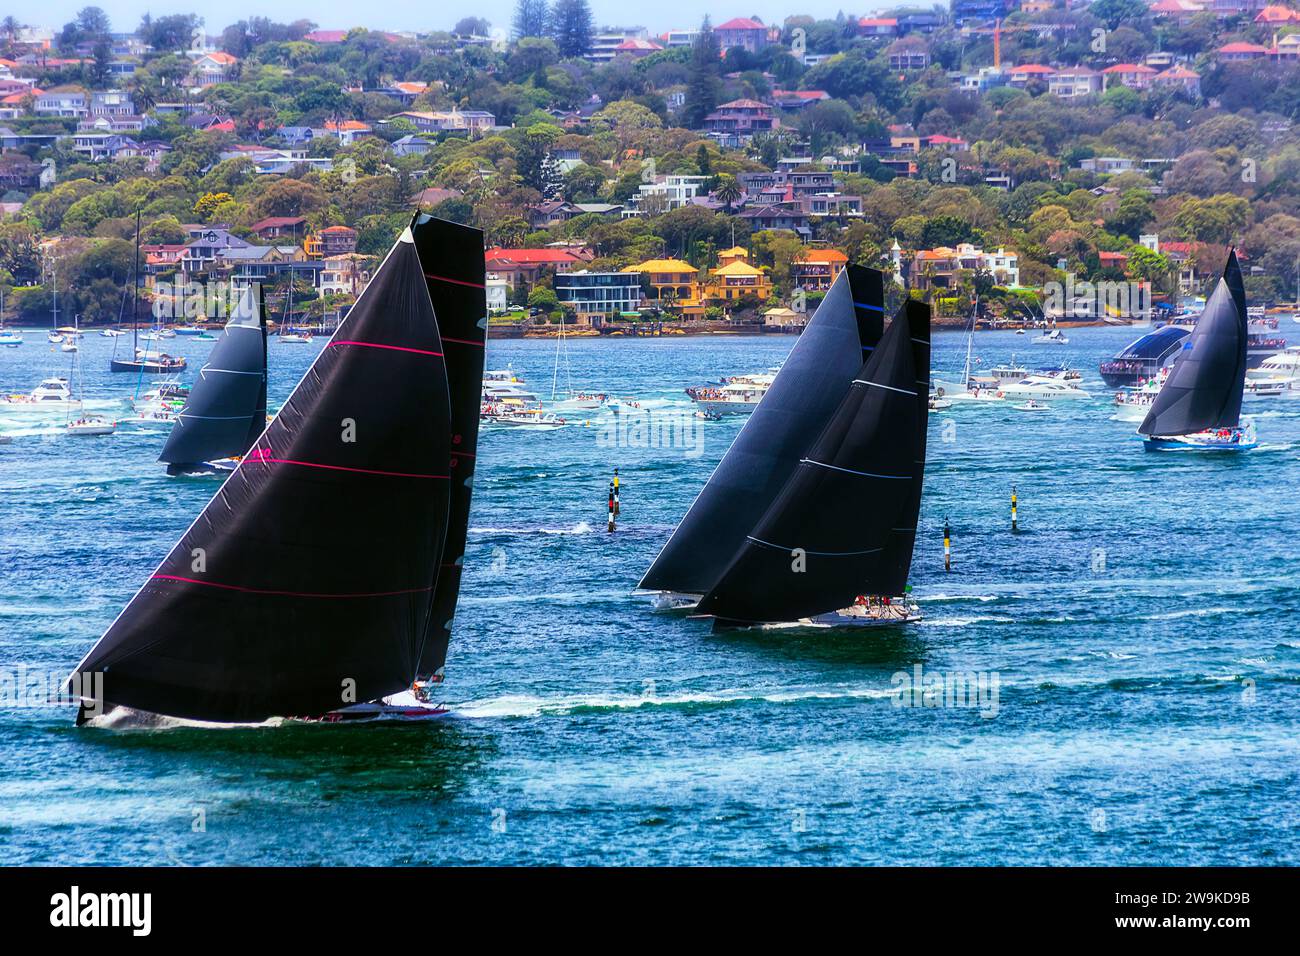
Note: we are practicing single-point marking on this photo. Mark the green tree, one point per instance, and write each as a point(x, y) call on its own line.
point(532, 19)
point(704, 87)
point(571, 23)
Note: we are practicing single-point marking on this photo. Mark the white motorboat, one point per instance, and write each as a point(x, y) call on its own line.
point(1041, 387)
point(1051, 337)
point(10, 339)
point(295, 338)
point(938, 404)
point(51, 395)
point(54, 338)
point(1284, 365)
point(111, 333)
point(1031, 406)
point(534, 418)
point(1268, 387)
point(738, 395)
point(69, 345)
point(1132, 404)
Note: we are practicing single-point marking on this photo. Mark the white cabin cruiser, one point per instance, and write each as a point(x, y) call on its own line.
point(1041, 387)
point(52, 394)
point(738, 395)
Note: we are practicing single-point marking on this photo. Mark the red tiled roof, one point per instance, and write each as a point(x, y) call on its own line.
point(531, 256)
point(1032, 68)
point(1242, 48)
point(1128, 68)
point(878, 22)
point(741, 23)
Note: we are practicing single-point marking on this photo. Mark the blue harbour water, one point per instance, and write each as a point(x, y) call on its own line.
point(1141, 627)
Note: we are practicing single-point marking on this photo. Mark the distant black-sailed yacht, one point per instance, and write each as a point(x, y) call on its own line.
point(1199, 406)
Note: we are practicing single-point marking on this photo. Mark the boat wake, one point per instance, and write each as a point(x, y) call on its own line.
point(527, 706)
point(581, 527)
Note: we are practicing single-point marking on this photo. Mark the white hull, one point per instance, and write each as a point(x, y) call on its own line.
point(727, 408)
point(851, 618)
point(674, 602)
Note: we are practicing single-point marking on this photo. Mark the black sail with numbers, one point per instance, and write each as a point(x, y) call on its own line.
point(820, 366)
point(451, 256)
point(226, 407)
point(833, 533)
point(1205, 386)
point(306, 582)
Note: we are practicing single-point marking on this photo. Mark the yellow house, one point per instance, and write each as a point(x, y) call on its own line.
point(735, 254)
point(673, 283)
point(737, 279)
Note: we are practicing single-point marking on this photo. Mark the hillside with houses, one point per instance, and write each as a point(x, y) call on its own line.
point(722, 171)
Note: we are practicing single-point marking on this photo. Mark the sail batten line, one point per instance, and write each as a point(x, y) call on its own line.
point(850, 471)
point(447, 338)
point(901, 391)
point(820, 554)
point(868, 305)
point(277, 593)
point(393, 348)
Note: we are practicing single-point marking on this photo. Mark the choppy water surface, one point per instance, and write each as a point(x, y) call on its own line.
point(1141, 627)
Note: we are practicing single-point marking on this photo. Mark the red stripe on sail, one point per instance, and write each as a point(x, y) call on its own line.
point(260, 456)
point(394, 348)
point(302, 594)
point(438, 278)
point(462, 341)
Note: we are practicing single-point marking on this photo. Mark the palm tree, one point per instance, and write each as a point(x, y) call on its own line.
point(728, 191)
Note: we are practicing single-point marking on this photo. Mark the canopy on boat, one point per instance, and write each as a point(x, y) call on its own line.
point(845, 327)
point(1205, 386)
point(226, 407)
point(844, 524)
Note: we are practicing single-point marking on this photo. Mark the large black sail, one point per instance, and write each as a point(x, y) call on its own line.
point(226, 408)
point(451, 256)
point(804, 394)
point(305, 583)
point(1204, 388)
point(821, 543)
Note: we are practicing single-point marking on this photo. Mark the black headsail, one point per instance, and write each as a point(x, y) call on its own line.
point(451, 256)
point(831, 534)
point(305, 583)
point(226, 408)
point(805, 392)
point(1204, 389)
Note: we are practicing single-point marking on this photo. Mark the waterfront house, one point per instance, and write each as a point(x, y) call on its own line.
point(938, 268)
point(673, 283)
point(736, 279)
point(817, 269)
point(527, 265)
point(595, 296)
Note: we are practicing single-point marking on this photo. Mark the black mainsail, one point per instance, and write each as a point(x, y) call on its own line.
point(824, 360)
point(451, 256)
point(226, 407)
point(1205, 386)
point(844, 524)
point(306, 582)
